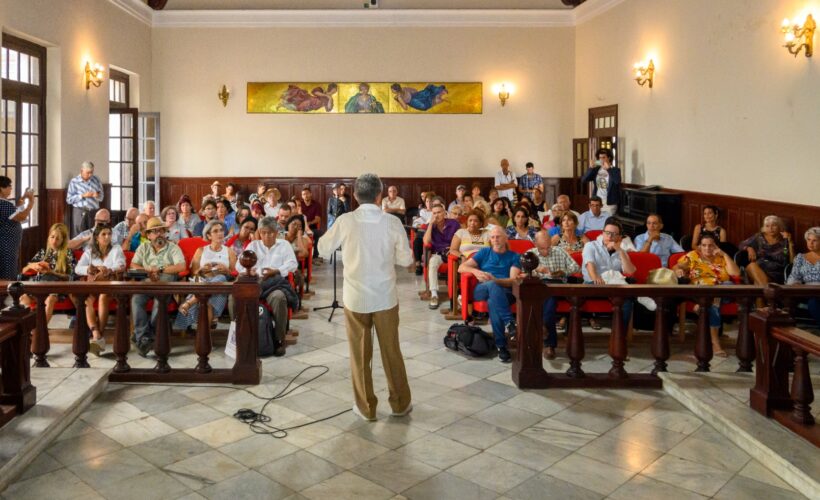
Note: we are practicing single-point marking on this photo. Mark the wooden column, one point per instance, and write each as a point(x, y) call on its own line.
point(246, 291)
point(528, 369)
point(745, 348)
point(802, 393)
point(41, 344)
point(203, 336)
point(771, 390)
point(617, 340)
point(79, 345)
point(575, 341)
point(660, 337)
point(703, 342)
point(16, 388)
point(123, 327)
point(162, 341)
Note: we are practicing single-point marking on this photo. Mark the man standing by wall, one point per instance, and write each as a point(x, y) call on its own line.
point(373, 243)
point(505, 182)
point(84, 194)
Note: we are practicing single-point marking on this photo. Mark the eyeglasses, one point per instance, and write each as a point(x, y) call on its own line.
point(612, 234)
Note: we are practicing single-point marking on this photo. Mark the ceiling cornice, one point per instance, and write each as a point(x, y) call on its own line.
point(476, 18)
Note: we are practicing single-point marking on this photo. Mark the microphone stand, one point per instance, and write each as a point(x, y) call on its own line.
point(335, 304)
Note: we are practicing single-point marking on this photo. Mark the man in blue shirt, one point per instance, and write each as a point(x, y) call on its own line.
point(654, 241)
point(84, 194)
point(608, 255)
point(496, 268)
point(594, 218)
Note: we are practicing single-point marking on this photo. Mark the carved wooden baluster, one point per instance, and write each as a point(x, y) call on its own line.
point(123, 329)
point(40, 344)
point(617, 340)
point(745, 348)
point(203, 335)
point(660, 337)
point(79, 345)
point(575, 341)
point(248, 368)
point(802, 393)
point(703, 342)
point(162, 344)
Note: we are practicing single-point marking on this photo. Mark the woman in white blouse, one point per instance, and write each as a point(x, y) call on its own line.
point(101, 262)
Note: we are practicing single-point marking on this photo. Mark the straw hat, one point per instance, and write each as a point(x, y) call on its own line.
point(154, 223)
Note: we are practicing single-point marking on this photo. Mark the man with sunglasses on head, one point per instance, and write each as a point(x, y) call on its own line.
point(162, 259)
point(607, 254)
point(83, 240)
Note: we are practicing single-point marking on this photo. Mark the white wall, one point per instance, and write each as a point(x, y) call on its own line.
point(731, 111)
point(74, 30)
point(201, 138)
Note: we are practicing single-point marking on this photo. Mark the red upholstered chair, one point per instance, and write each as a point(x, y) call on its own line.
point(727, 310)
point(469, 282)
point(189, 246)
point(644, 263)
point(593, 234)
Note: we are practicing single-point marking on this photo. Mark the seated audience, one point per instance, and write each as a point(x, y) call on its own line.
point(529, 182)
point(162, 260)
point(187, 218)
point(539, 204)
point(439, 235)
point(492, 195)
point(566, 204)
point(709, 265)
point(85, 238)
point(478, 200)
point(460, 190)
point(295, 235)
point(496, 268)
point(337, 204)
point(213, 196)
point(176, 231)
point(769, 251)
point(606, 180)
point(208, 214)
point(554, 263)
point(421, 221)
point(225, 214)
point(806, 269)
point(312, 211)
point(456, 213)
point(472, 238)
point(149, 208)
point(606, 257)
point(212, 263)
point(594, 218)
point(136, 235)
point(521, 228)
point(501, 213)
point(709, 225)
point(102, 262)
point(242, 212)
point(569, 238)
point(467, 204)
point(120, 232)
point(275, 259)
point(257, 209)
point(55, 262)
point(654, 241)
point(272, 197)
point(246, 234)
point(231, 194)
point(259, 194)
point(393, 203)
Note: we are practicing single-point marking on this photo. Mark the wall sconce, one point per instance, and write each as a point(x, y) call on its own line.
point(504, 91)
point(797, 37)
point(223, 95)
point(93, 75)
point(645, 73)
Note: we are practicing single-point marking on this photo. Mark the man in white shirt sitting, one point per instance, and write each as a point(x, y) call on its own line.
point(373, 244)
point(273, 258)
point(394, 204)
point(594, 218)
point(565, 202)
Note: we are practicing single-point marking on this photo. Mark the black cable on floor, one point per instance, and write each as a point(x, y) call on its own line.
point(258, 422)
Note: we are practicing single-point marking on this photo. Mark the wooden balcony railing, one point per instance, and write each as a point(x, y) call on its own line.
point(528, 370)
point(245, 292)
point(17, 395)
point(782, 348)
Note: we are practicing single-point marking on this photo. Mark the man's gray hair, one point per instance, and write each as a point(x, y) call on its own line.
point(815, 231)
point(367, 188)
point(269, 223)
point(87, 165)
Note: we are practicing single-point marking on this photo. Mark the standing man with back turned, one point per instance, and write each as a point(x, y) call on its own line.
point(373, 244)
point(84, 194)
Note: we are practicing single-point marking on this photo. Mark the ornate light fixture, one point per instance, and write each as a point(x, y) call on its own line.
point(798, 37)
point(223, 95)
point(503, 90)
point(645, 73)
point(93, 75)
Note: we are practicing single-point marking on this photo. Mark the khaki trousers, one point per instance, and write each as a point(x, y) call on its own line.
point(359, 328)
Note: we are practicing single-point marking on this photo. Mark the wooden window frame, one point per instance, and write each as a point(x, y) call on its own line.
point(121, 77)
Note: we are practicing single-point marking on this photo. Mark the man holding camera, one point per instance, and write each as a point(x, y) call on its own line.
point(162, 260)
point(84, 194)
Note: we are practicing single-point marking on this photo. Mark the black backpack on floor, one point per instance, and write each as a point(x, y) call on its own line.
point(471, 340)
point(266, 343)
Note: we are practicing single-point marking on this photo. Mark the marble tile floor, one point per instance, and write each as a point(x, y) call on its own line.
point(472, 433)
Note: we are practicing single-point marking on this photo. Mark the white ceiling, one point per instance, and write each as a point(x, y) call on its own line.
point(358, 4)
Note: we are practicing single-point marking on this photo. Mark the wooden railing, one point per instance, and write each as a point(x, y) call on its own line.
point(17, 395)
point(782, 348)
point(528, 370)
point(245, 292)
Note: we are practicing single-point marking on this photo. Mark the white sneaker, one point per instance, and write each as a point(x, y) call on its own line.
point(403, 413)
point(359, 413)
point(96, 346)
point(647, 303)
